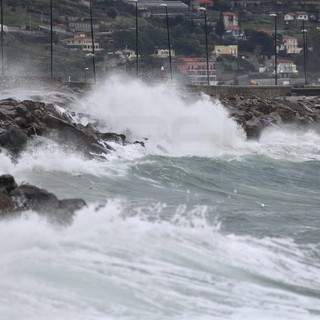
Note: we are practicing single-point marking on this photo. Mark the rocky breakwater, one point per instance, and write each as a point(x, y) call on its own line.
point(27, 122)
point(255, 114)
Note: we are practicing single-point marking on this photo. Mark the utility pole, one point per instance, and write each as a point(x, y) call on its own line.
point(51, 39)
point(92, 41)
point(2, 51)
point(274, 15)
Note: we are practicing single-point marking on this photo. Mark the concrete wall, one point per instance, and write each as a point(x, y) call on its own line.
point(248, 91)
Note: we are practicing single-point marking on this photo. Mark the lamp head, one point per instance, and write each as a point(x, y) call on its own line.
point(273, 15)
point(202, 9)
point(163, 5)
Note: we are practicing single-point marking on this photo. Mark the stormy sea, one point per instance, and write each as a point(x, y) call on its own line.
point(199, 224)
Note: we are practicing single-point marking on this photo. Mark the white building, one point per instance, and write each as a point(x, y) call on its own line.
point(230, 19)
point(230, 50)
point(285, 68)
point(81, 42)
point(289, 45)
point(296, 16)
point(302, 15)
point(163, 53)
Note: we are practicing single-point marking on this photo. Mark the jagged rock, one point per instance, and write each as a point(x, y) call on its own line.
point(253, 128)
point(9, 102)
point(31, 197)
point(286, 114)
point(14, 199)
point(13, 139)
point(6, 204)
point(22, 120)
point(113, 137)
point(7, 183)
point(255, 114)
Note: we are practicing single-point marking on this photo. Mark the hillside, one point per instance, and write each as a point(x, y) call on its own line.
point(28, 50)
point(27, 44)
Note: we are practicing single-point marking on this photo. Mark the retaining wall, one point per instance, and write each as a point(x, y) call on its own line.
point(248, 91)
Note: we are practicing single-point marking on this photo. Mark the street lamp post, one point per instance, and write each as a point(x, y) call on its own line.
point(85, 74)
point(274, 15)
point(206, 32)
point(2, 65)
point(137, 38)
point(304, 35)
point(51, 39)
point(92, 41)
point(168, 32)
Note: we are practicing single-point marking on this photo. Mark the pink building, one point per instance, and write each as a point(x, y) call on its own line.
point(196, 70)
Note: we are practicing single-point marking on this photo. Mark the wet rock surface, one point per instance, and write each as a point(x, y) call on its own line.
point(16, 199)
point(21, 121)
point(254, 114)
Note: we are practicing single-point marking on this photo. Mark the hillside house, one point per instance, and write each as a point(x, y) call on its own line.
point(289, 45)
point(204, 3)
point(230, 19)
point(296, 17)
point(126, 54)
point(285, 68)
point(196, 70)
point(231, 50)
point(81, 42)
point(83, 24)
point(163, 53)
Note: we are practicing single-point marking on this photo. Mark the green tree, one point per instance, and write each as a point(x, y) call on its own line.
point(220, 30)
point(112, 12)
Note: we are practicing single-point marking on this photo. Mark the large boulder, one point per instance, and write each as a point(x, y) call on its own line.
point(13, 138)
point(15, 199)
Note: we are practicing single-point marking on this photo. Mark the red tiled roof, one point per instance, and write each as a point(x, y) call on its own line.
point(226, 14)
point(232, 28)
point(283, 61)
point(265, 30)
point(188, 60)
point(287, 37)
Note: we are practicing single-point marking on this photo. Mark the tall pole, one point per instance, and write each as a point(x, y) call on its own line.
point(51, 39)
point(304, 35)
point(137, 43)
point(92, 41)
point(168, 32)
point(207, 52)
point(2, 54)
point(275, 49)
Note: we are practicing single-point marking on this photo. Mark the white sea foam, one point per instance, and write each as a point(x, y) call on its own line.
point(171, 125)
point(289, 144)
point(175, 126)
point(159, 114)
point(109, 266)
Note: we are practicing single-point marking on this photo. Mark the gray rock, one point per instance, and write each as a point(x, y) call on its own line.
point(7, 183)
point(13, 139)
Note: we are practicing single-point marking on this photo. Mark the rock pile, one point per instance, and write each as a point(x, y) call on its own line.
point(20, 121)
point(255, 114)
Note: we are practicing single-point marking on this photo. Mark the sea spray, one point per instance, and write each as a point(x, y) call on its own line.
point(160, 117)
